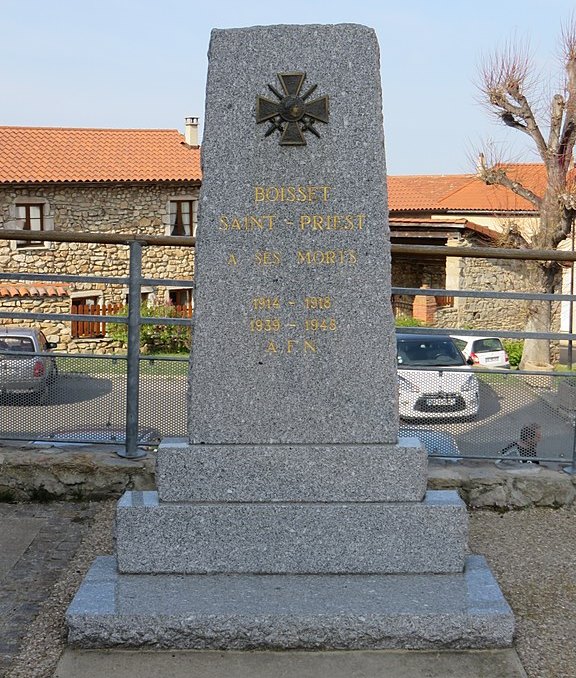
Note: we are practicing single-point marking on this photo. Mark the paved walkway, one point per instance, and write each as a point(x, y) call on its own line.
point(37, 541)
point(343, 664)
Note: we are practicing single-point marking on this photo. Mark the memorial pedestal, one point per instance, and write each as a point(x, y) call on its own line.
point(248, 612)
point(280, 571)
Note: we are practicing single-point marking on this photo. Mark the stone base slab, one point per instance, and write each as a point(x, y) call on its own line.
point(298, 538)
point(249, 612)
point(292, 472)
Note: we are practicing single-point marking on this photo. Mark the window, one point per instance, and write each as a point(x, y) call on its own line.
point(487, 345)
point(183, 217)
point(146, 297)
point(181, 299)
point(31, 218)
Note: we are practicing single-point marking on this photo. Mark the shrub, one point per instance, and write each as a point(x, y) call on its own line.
point(514, 348)
point(155, 338)
point(408, 321)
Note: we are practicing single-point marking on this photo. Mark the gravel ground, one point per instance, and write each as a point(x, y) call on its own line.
point(532, 553)
point(533, 556)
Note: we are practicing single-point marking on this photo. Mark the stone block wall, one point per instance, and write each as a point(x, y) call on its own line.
point(489, 313)
point(98, 208)
point(496, 314)
point(411, 271)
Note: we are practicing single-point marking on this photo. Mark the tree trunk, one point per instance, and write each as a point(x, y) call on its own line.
point(539, 314)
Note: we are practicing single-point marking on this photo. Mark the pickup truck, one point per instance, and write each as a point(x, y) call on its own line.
point(22, 370)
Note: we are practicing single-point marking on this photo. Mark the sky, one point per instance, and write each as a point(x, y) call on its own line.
point(142, 64)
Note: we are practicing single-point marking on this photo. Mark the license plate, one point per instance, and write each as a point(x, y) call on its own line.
point(491, 360)
point(441, 401)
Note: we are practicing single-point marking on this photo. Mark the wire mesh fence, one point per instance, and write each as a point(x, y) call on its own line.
point(86, 402)
point(482, 413)
point(457, 410)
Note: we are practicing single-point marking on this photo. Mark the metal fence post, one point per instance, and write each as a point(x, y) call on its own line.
point(131, 450)
point(572, 468)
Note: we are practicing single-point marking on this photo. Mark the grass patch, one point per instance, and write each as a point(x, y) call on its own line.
point(168, 365)
point(497, 377)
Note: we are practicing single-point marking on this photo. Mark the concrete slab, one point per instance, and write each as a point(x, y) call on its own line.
point(15, 537)
point(360, 664)
point(290, 612)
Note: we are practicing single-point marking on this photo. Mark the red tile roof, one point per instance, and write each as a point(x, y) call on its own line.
point(34, 290)
point(59, 154)
point(464, 192)
point(422, 192)
point(476, 196)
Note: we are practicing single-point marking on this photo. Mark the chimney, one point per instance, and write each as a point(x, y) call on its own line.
point(191, 131)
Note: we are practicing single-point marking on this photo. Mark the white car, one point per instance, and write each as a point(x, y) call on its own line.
point(444, 386)
point(483, 351)
point(436, 443)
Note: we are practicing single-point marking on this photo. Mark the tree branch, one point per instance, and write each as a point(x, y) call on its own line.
point(556, 116)
point(567, 137)
point(496, 175)
point(505, 79)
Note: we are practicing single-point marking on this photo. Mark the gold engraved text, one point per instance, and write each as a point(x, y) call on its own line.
point(327, 257)
point(292, 346)
point(332, 222)
point(320, 325)
point(265, 325)
point(265, 303)
point(291, 193)
point(317, 303)
point(248, 223)
point(267, 258)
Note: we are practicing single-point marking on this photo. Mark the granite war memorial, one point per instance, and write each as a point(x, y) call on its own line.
point(293, 516)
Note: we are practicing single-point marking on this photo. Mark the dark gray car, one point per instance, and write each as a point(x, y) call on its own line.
point(22, 370)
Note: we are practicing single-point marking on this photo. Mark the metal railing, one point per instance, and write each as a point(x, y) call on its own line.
point(134, 281)
point(151, 390)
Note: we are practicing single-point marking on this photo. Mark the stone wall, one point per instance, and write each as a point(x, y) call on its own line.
point(489, 313)
point(497, 314)
point(410, 271)
point(95, 472)
point(98, 208)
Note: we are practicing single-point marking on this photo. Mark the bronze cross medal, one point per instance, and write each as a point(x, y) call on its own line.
point(292, 114)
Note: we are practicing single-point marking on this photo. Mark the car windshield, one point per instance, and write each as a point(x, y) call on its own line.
point(435, 352)
point(12, 343)
point(487, 345)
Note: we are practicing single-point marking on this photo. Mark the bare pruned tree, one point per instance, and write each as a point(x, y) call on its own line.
point(506, 86)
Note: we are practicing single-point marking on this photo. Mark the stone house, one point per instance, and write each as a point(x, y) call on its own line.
point(95, 180)
point(460, 210)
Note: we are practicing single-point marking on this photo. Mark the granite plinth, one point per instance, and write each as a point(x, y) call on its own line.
point(243, 612)
point(292, 472)
point(281, 537)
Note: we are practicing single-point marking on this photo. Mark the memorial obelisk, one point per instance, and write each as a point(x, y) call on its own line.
point(293, 516)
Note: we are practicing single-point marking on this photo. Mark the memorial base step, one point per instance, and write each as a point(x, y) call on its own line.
point(247, 612)
point(297, 538)
point(292, 472)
